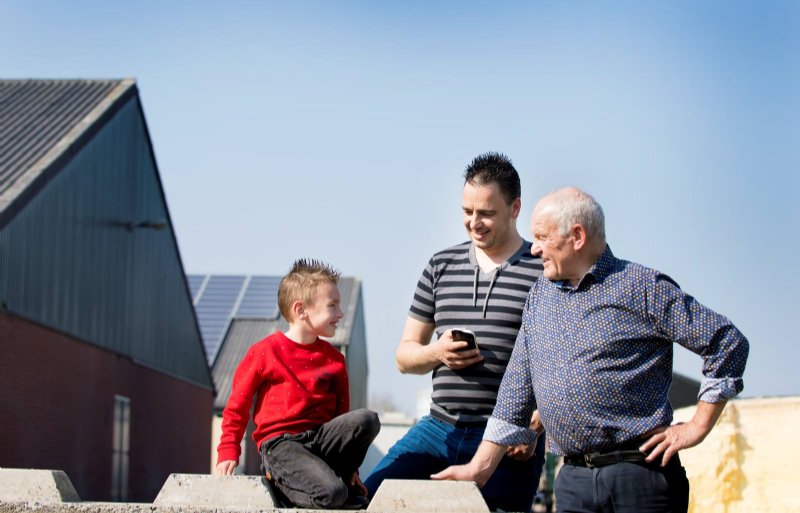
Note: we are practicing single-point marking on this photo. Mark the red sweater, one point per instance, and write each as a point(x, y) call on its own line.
point(296, 387)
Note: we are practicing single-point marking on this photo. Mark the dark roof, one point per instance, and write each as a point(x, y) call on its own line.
point(43, 121)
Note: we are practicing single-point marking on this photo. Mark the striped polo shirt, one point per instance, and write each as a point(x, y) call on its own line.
point(453, 292)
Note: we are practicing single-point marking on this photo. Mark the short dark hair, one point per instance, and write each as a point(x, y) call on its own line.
point(493, 167)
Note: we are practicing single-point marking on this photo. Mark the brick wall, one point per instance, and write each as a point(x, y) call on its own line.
point(56, 412)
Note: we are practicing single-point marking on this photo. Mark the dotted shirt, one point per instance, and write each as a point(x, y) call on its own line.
point(600, 358)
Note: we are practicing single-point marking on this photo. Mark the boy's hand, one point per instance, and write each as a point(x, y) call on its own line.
point(225, 468)
point(355, 481)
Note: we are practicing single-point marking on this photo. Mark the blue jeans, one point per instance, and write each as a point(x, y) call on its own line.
point(623, 487)
point(432, 445)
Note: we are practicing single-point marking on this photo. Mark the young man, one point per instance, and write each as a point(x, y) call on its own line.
point(311, 445)
point(479, 285)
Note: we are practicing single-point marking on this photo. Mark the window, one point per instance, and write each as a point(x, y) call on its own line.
point(121, 443)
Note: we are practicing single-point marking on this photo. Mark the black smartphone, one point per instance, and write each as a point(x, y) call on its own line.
point(467, 336)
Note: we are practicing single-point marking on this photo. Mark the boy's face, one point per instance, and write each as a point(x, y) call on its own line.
point(324, 313)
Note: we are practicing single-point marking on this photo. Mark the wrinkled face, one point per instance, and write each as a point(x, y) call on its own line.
point(489, 220)
point(557, 251)
point(324, 313)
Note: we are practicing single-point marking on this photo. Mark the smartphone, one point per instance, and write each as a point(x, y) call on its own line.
point(465, 335)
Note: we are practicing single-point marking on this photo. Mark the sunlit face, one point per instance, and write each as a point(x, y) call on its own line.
point(323, 314)
point(557, 251)
point(489, 220)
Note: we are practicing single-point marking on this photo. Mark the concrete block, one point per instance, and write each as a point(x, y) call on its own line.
point(33, 485)
point(208, 491)
point(400, 495)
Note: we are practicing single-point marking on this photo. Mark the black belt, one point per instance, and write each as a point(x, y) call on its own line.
point(602, 459)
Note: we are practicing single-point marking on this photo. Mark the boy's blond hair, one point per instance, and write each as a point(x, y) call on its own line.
point(301, 283)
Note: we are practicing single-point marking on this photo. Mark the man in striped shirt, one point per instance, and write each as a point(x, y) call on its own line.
point(481, 286)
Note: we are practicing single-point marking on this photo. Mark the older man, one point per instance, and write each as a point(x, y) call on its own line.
point(596, 346)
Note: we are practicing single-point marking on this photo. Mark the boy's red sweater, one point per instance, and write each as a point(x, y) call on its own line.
point(296, 387)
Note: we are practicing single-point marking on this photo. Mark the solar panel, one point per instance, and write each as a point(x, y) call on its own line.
point(260, 300)
point(215, 308)
point(195, 282)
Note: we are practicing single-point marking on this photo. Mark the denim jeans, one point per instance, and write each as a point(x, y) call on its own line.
point(623, 487)
point(432, 445)
point(313, 469)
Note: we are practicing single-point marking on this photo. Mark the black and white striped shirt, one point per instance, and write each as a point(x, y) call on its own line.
point(453, 292)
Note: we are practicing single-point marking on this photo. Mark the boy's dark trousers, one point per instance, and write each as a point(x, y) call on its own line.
point(313, 469)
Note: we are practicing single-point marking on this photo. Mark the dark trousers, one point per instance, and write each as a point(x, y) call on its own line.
point(624, 487)
point(313, 469)
point(431, 446)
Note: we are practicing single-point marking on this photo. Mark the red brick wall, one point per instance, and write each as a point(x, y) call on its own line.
point(56, 412)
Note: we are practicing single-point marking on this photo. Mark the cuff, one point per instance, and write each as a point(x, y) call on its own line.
point(714, 390)
point(505, 433)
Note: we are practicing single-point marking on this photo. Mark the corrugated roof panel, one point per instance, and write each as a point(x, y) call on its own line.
point(37, 114)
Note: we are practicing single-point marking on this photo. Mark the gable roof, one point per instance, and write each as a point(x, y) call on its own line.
point(44, 122)
point(86, 242)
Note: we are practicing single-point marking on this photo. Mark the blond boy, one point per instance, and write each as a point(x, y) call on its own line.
point(311, 444)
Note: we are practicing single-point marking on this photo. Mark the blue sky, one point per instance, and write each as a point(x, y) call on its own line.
point(339, 130)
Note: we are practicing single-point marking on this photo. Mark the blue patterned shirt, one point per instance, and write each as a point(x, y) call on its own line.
point(599, 357)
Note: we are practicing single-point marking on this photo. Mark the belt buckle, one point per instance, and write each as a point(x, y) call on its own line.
point(587, 458)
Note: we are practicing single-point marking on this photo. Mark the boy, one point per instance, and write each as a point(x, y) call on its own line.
point(311, 446)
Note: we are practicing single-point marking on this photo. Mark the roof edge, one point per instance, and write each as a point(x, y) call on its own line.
point(14, 199)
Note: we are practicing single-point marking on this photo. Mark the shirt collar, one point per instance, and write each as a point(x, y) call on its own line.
point(603, 266)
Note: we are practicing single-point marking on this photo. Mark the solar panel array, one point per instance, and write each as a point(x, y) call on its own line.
point(220, 298)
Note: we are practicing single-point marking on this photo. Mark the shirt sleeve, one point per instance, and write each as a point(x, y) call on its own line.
point(236, 415)
point(423, 305)
point(510, 420)
point(680, 318)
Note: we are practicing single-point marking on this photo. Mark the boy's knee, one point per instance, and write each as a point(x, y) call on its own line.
point(331, 495)
point(368, 422)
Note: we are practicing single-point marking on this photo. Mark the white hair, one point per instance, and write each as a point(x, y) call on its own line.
point(571, 206)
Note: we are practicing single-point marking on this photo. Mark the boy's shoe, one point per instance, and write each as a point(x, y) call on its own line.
point(355, 502)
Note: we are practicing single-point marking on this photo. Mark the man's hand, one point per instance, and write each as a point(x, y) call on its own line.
point(355, 481)
point(453, 353)
point(225, 468)
point(666, 442)
point(417, 355)
point(521, 452)
point(479, 469)
point(461, 473)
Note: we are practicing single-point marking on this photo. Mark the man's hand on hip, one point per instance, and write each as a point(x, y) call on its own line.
point(666, 442)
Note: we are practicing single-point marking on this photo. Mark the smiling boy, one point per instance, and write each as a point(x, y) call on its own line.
point(311, 444)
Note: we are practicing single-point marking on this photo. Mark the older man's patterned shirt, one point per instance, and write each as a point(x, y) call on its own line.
point(599, 358)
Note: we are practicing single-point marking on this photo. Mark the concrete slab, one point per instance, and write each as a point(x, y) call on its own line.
point(396, 496)
point(33, 485)
point(207, 491)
